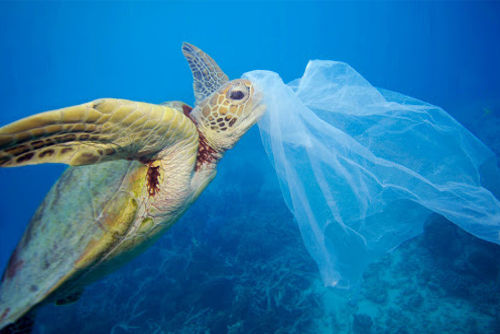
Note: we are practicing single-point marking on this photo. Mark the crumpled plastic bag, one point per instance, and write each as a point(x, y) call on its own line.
point(362, 168)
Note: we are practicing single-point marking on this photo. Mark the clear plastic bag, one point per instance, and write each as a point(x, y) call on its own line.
point(362, 168)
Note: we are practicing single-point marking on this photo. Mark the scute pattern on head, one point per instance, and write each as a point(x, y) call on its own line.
point(223, 117)
point(226, 106)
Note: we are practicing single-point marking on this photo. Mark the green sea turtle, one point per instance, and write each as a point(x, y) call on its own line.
point(140, 166)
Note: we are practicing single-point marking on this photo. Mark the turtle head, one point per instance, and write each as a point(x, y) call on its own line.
point(224, 109)
point(228, 113)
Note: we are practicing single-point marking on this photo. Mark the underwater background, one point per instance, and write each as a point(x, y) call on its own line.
point(235, 263)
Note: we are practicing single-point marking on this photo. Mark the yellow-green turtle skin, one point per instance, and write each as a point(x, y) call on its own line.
point(135, 169)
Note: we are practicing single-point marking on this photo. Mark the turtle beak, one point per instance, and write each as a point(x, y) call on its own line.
point(258, 106)
point(259, 110)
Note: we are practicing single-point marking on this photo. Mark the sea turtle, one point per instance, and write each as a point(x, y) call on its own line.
point(140, 166)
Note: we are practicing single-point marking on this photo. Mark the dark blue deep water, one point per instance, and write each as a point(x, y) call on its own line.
point(235, 263)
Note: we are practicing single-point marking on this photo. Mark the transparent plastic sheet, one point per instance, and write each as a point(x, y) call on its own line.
point(362, 168)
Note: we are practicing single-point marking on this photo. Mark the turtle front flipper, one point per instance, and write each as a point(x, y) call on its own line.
point(207, 75)
point(98, 131)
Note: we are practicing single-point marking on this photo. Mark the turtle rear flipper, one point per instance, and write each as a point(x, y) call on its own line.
point(98, 131)
point(23, 325)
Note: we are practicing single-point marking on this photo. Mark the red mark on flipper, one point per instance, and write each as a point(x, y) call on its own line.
point(4, 314)
point(152, 178)
point(186, 109)
point(14, 265)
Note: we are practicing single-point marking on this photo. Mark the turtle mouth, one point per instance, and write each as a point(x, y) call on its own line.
point(259, 110)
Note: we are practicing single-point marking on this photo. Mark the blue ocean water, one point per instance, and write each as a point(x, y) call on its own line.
point(235, 263)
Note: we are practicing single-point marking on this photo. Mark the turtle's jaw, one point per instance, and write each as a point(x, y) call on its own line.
point(253, 116)
point(259, 109)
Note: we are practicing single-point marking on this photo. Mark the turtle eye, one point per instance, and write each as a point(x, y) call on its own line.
point(237, 95)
